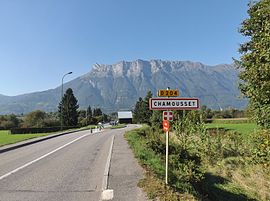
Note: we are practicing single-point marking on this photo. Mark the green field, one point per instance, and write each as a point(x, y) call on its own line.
point(118, 126)
point(243, 128)
point(7, 138)
point(233, 163)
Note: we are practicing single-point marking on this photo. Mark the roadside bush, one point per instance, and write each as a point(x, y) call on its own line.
point(185, 168)
point(261, 148)
point(38, 130)
point(8, 121)
point(184, 158)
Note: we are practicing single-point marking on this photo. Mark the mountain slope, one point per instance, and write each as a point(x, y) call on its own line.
point(118, 86)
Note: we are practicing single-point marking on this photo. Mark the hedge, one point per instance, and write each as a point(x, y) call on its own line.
point(39, 130)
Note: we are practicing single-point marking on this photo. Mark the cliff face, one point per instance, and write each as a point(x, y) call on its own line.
point(118, 86)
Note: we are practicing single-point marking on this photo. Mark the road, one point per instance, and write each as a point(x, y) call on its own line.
point(69, 168)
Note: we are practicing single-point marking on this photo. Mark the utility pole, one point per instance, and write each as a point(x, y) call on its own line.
point(61, 108)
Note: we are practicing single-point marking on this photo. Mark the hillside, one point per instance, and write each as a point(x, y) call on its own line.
point(118, 86)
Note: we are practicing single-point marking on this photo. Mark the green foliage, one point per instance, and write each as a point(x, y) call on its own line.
point(89, 114)
point(255, 61)
point(9, 121)
point(142, 113)
point(207, 113)
point(202, 162)
point(35, 119)
point(38, 130)
point(185, 165)
point(138, 111)
point(97, 112)
point(261, 148)
point(86, 117)
point(246, 129)
point(68, 108)
point(156, 119)
point(147, 157)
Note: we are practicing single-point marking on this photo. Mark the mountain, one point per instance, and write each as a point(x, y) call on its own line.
point(118, 86)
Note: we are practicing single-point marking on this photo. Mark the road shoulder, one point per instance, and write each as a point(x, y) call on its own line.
point(125, 172)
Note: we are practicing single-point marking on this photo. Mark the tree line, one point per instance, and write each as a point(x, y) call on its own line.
point(142, 113)
point(68, 112)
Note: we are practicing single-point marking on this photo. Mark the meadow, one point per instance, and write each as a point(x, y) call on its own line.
point(7, 138)
point(230, 165)
point(243, 128)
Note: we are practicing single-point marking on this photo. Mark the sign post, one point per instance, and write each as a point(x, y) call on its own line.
point(171, 104)
point(166, 128)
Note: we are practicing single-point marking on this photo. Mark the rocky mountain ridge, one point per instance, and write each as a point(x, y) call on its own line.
point(118, 86)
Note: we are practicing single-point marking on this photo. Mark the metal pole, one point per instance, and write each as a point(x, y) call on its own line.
point(167, 152)
point(167, 156)
point(61, 108)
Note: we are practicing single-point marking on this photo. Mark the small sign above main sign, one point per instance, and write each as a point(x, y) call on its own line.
point(167, 115)
point(168, 93)
point(173, 103)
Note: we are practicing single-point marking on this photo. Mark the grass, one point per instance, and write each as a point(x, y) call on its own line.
point(243, 128)
point(153, 183)
point(89, 127)
point(7, 138)
point(237, 178)
point(118, 126)
point(230, 178)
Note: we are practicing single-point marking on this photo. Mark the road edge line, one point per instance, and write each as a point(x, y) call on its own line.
point(107, 194)
point(41, 157)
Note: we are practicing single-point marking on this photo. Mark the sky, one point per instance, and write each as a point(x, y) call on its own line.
point(41, 40)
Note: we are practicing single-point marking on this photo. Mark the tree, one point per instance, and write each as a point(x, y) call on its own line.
point(147, 112)
point(89, 114)
point(156, 119)
point(138, 111)
point(35, 119)
point(97, 112)
point(69, 106)
point(142, 113)
point(254, 63)
point(9, 121)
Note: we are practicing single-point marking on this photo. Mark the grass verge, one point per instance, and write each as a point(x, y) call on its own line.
point(7, 138)
point(231, 176)
point(118, 126)
point(153, 183)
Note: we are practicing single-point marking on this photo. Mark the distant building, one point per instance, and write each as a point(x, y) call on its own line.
point(125, 117)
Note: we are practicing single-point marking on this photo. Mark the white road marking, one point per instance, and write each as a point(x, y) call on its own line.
point(107, 194)
point(31, 162)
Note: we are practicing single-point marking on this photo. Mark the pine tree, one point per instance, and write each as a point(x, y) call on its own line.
point(97, 112)
point(89, 114)
point(147, 111)
point(142, 113)
point(68, 108)
point(255, 61)
point(138, 111)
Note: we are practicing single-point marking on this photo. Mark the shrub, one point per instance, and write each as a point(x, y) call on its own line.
point(37, 130)
point(261, 148)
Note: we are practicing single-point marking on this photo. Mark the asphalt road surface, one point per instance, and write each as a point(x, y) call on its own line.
point(68, 167)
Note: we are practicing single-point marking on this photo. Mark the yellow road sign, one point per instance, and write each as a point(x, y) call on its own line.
point(168, 93)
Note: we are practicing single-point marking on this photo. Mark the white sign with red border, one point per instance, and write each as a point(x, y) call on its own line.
point(168, 115)
point(173, 103)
